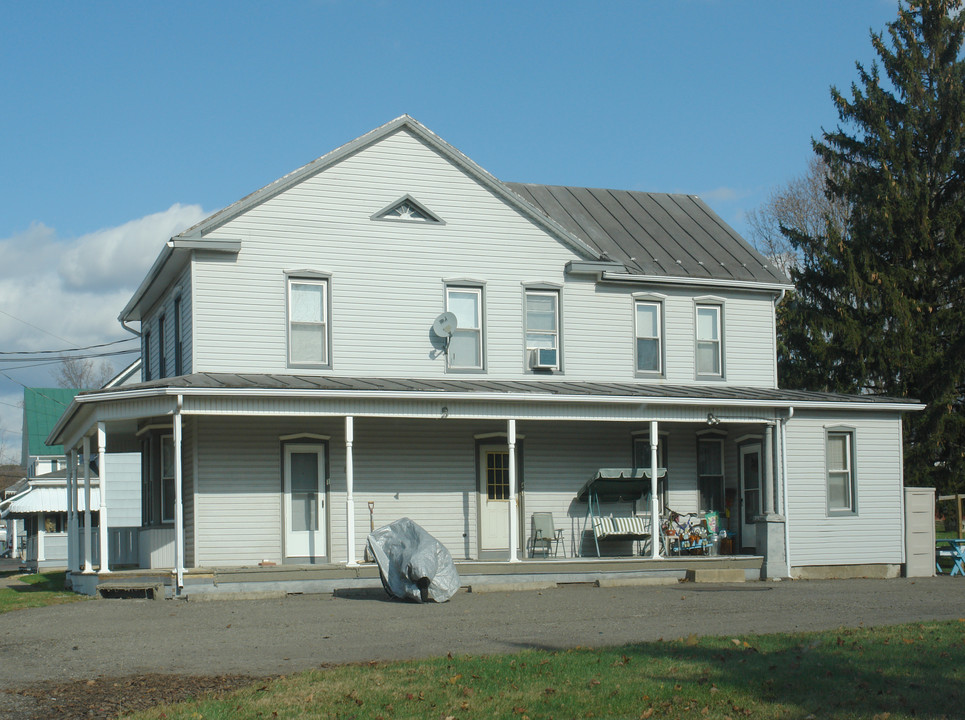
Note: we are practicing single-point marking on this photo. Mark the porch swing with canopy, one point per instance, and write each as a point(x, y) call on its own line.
point(615, 485)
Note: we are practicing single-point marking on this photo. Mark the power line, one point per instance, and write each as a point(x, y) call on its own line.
point(35, 327)
point(61, 358)
point(65, 350)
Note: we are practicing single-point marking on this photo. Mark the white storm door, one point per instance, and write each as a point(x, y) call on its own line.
point(304, 500)
point(750, 476)
point(494, 497)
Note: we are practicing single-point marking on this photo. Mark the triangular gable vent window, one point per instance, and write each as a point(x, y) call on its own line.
point(407, 210)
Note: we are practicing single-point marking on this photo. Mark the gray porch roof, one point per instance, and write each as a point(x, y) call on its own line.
point(535, 388)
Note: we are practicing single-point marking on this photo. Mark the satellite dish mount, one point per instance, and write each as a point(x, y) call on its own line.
point(444, 326)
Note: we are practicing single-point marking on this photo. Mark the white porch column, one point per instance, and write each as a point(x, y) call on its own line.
point(88, 529)
point(178, 499)
point(349, 492)
point(41, 533)
point(105, 564)
point(654, 500)
point(513, 495)
point(769, 470)
point(69, 458)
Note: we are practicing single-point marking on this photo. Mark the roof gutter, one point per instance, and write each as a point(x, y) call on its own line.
point(752, 285)
point(488, 397)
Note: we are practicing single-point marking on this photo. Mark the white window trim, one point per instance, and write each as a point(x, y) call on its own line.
point(480, 330)
point(555, 294)
point(324, 283)
point(851, 509)
point(718, 306)
point(656, 302)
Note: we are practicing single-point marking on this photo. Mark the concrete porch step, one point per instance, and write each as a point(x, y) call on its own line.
point(119, 590)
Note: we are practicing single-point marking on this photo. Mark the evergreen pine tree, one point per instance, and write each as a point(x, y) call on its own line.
point(880, 302)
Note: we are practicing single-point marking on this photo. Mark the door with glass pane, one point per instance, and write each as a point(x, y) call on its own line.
point(750, 476)
point(304, 501)
point(494, 499)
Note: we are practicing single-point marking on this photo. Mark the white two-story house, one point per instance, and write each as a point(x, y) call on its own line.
point(390, 331)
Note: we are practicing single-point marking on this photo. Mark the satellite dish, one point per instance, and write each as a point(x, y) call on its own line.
point(445, 325)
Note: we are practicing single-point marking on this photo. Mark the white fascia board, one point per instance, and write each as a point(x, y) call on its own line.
point(499, 397)
point(698, 282)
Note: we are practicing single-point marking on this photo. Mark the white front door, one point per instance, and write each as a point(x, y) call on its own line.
point(304, 500)
point(494, 497)
point(750, 477)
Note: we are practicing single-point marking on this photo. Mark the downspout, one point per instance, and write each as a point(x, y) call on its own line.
point(130, 329)
point(787, 517)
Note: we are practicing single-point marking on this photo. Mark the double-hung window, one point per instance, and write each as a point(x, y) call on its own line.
point(167, 478)
point(308, 322)
point(146, 355)
point(648, 323)
point(710, 474)
point(466, 350)
point(840, 464)
point(178, 359)
point(160, 348)
point(543, 329)
point(709, 341)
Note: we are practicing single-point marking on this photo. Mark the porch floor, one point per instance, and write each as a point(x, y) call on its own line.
point(475, 575)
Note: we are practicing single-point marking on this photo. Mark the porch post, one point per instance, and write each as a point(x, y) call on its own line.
point(41, 555)
point(654, 501)
point(349, 492)
point(70, 459)
point(513, 497)
point(105, 564)
point(769, 470)
point(88, 530)
point(178, 499)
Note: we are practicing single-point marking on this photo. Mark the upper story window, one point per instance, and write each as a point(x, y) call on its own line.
point(178, 359)
point(146, 355)
point(308, 322)
point(543, 329)
point(466, 349)
point(648, 321)
point(709, 341)
point(160, 347)
point(841, 477)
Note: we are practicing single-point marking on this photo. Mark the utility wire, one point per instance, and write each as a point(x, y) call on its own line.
point(35, 327)
point(67, 356)
point(65, 350)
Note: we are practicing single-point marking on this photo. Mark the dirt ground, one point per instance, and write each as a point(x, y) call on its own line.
point(102, 658)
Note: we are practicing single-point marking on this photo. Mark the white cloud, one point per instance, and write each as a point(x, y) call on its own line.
point(57, 293)
point(119, 257)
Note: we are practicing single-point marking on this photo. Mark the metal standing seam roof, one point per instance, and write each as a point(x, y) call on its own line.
point(42, 407)
point(672, 235)
point(537, 388)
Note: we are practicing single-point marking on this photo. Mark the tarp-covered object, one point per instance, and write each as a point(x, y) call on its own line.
point(413, 564)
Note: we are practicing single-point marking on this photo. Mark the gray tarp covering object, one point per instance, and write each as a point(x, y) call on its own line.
point(413, 564)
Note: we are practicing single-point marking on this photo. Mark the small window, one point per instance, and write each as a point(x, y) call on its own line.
point(308, 322)
point(710, 474)
point(160, 347)
point(167, 478)
point(146, 356)
point(466, 344)
point(649, 350)
point(840, 462)
point(708, 340)
point(543, 329)
point(178, 359)
point(497, 475)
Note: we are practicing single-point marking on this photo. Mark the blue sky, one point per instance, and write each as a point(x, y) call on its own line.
point(123, 122)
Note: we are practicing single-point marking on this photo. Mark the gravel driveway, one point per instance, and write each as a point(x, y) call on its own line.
point(111, 638)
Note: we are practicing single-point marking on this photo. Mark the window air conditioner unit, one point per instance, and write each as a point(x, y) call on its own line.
point(545, 359)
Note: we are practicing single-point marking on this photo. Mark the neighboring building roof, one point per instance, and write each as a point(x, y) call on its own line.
point(46, 500)
point(654, 234)
point(535, 388)
point(42, 407)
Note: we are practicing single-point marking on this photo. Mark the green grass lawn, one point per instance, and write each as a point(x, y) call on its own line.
point(909, 671)
point(36, 591)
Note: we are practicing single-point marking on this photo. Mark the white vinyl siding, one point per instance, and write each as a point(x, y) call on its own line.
point(391, 299)
point(162, 344)
point(869, 536)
